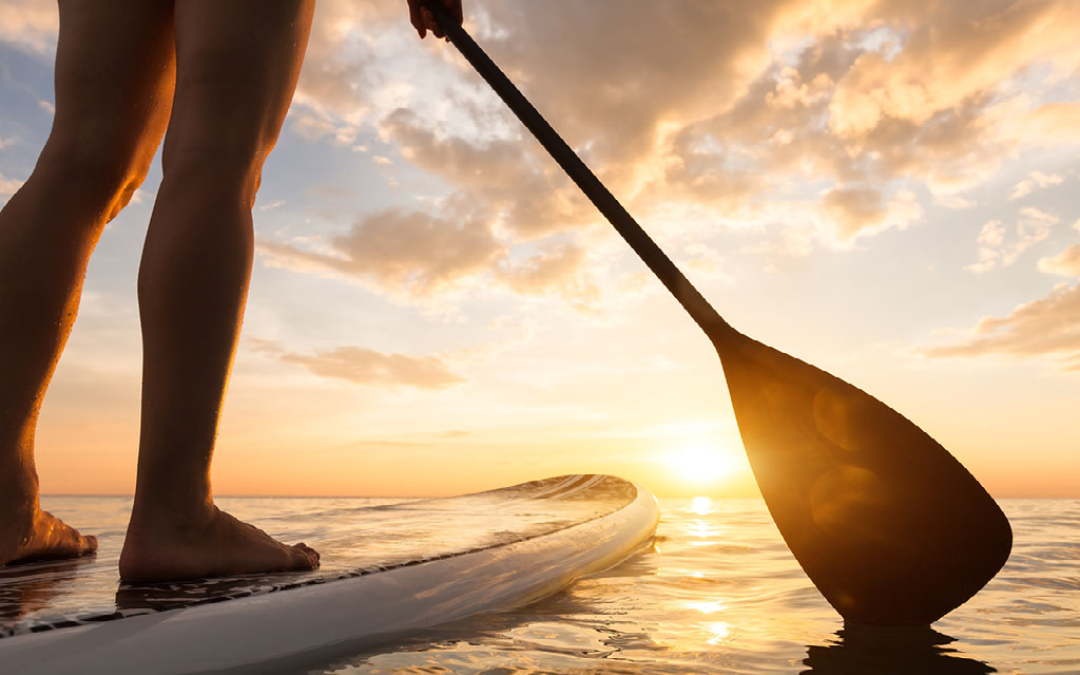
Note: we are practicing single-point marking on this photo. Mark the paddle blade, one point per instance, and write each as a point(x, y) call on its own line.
point(889, 526)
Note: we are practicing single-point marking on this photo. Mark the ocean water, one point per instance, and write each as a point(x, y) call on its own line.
point(717, 593)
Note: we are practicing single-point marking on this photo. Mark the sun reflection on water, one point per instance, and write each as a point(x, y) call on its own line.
point(707, 607)
point(720, 631)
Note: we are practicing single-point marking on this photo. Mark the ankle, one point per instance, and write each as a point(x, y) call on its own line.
point(18, 484)
point(174, 513)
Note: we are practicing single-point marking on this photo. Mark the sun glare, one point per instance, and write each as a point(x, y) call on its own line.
point(701, 505)
point(701, 465)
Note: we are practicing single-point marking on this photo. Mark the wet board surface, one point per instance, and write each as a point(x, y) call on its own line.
point(416, 563)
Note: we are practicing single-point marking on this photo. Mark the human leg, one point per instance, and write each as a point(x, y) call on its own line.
point(237, 65)
point(114, 76)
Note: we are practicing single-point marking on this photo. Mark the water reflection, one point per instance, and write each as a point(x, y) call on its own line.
point(28, 588)
point(720, 631)
point(707, 607)
point(888, 651)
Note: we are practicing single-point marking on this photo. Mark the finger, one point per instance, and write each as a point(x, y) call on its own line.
point(414, 15)
point(422, 17)
point(432, 24)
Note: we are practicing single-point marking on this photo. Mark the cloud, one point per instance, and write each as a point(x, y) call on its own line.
point(995, 246)
point(30, 25)
point(853, 209)
point(312, 126)
point(399, 252)
point(698, 169)
point(417, 256)
point(951, 52)
point(340, 70)
point(857, 106)
point(729, 111)
point(1066, 263)
point(856, 211)
point(954, 202)
point(531, 199)
point(557, 268)
point(9, 186)
point(612, 85)
point(1036, 180)
point(503, 198)
point(1051, 124)
point(1047, 326)
point(369, 367)
point(799, 120)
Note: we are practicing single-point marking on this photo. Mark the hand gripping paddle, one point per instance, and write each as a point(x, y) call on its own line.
point(889, 526)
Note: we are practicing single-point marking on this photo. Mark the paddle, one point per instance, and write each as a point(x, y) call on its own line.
point(887, 524)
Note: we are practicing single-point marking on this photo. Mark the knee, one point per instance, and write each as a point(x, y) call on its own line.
point(217, 168)
point(100, 170)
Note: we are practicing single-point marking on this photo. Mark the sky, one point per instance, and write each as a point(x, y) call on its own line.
point(888, 190)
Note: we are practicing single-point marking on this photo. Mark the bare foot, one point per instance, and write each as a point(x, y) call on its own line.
point(27, 533)
point(213, 544)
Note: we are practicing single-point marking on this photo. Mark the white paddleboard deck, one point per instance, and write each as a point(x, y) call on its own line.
point(386, 570)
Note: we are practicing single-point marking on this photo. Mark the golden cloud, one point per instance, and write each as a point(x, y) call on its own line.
point(1036, 180)
point(854, 209)
point(360, 365)
point(558, 267)
point(952, 52)
point(399, 252)
point(998, 247)
point(722, 108)
point(858, 211)
point(1052, 124)
point(414, 255)
point(530, 199)
point(1066, 263)
point(1047, 326)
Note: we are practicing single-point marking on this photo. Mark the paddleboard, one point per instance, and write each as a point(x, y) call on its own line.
point(386, 571)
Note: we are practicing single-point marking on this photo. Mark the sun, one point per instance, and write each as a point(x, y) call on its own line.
point(701, 464)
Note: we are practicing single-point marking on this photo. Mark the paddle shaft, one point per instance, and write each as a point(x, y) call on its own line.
point(694, 303)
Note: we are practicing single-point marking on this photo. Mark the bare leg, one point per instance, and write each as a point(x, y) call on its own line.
point(237, 65)
point(114, 78)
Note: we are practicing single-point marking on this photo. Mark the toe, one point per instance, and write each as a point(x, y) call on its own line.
point(302, 558)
